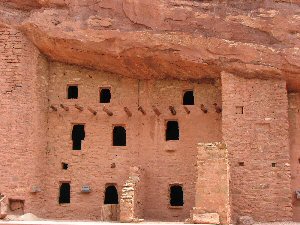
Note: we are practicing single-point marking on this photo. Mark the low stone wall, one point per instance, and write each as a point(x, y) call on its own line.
point(212, 187)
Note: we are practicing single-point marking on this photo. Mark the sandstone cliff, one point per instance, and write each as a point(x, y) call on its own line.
point(185, 39)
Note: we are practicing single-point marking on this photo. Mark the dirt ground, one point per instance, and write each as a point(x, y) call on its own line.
point(111, 223)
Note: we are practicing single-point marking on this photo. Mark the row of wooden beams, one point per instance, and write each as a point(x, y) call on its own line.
point(140, 108)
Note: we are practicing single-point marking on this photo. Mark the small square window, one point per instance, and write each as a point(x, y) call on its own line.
point(64, 166)
point(241, 164)
point(72, 92)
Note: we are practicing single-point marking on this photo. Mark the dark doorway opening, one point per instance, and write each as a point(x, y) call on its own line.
point(119, 136)
point(105, 95)
point(64, 193)
point(111, 195)
point(188, 98)
point(73, 92)
point(176, 195)
point(172, 131)
point(78, 134)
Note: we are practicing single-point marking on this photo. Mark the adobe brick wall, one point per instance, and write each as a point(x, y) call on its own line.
point(23, 102)
point(212, 187)
point(259, 137)
point(294, 119)
point(146, 146)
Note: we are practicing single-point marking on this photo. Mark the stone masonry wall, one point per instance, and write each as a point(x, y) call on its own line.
point(294, 119)
point(133, 196)
point(255, 129)
point(164, 162)
point(23, 111)
point(212, 187)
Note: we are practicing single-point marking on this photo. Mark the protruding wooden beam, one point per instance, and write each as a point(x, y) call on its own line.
point(187, 110)
point(108, 112)
point(157, 112)
point(129, 114)
point(66, 108)
point(92, 111)
point(53, 108)
point(140, 108)
point(172, 110)
point(80, 108)
point(203, 108)
point(217, 108)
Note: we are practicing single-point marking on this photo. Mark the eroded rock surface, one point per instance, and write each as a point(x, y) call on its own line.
point(166, 38)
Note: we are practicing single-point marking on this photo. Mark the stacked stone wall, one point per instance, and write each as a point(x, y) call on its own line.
point(23, 127)
point(255, 129)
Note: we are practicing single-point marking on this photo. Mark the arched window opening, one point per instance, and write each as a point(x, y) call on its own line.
point(119, 136)
point(78, 134)
point(105, 95)
point(64, 193)
point(176, 195)
point(172, 131)
point(188, 98)
point(111, 195)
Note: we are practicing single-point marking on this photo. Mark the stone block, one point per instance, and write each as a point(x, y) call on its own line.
point(205, 218)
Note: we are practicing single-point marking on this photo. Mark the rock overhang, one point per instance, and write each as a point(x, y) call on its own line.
point(159, 39)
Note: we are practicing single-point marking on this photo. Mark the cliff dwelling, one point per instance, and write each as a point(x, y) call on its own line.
point(153, 110)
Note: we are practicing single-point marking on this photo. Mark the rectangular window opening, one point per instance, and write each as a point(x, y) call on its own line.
point(119, 136)
point(172, 130)
point(78, 135)
point(176, 195)
point(72, 92)
point(64, 193)
point(105, 95)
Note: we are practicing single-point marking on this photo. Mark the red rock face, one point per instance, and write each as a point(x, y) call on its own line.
point(159, 39)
